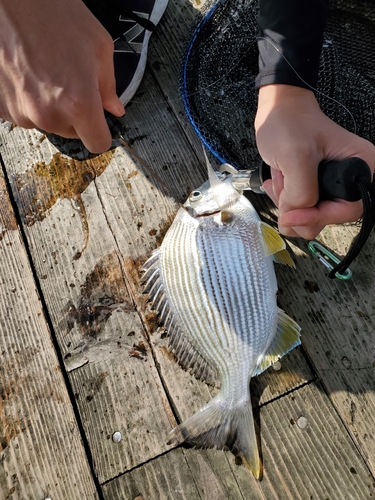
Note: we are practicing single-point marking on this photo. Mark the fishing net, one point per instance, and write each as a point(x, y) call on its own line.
point(218, 78)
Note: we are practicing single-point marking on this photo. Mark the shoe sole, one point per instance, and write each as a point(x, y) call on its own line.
point(156, 15)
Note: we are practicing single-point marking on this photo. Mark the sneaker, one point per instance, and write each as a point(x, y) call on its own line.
point(130, 23)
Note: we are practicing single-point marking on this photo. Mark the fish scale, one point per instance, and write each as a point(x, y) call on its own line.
point(214, 283)
point(241, 299)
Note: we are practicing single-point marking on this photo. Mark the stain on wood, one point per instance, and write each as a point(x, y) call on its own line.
point(103, 292)
point(138, 351)
point(36, 190)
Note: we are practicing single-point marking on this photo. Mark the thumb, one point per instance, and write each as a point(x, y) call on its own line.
point(107, 87)
point(110, 100)
point(112, 103)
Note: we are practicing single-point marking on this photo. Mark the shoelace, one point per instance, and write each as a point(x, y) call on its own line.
point(367, 192)
point(108, 13)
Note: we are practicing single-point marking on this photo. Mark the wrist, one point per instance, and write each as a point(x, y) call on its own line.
point(279, 93)
point(285, 101)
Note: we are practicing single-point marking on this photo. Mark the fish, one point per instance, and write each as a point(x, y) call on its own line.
point(213, 283)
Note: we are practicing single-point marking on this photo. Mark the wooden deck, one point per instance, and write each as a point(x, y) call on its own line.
point(88, 388)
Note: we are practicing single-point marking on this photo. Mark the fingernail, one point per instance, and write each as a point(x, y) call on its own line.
point(120, 108)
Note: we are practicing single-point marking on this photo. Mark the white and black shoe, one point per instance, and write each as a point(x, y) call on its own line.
point(130, 23)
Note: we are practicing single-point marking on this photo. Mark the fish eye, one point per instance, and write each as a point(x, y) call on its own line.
point(195, 195)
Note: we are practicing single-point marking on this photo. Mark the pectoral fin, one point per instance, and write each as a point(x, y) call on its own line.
point(275, 245)
point(287, 337)
point(273, 242)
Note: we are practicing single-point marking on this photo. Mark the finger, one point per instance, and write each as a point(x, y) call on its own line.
point(306, 232)
point(268, 189)
point(274, 186)
point(300, 189)
point(44, 118)
point(277, 183)
point(15, 117)
point(92, 127)
point(107, 83)
point(56, 126)
point(67, 133)
point(288, 232)
point(326, 212)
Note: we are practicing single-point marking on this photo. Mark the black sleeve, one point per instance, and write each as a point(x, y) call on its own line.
point(295, 27)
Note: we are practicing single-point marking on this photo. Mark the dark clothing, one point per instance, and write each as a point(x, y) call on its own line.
point(295, 27)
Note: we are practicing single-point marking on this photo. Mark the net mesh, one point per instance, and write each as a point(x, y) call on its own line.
point(218, 78)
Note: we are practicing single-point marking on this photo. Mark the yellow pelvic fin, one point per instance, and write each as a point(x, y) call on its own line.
point(275, 245)
point(287, 337)
point(273, 242)
point(283, 257)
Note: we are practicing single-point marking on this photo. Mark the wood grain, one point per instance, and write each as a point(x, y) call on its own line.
point(41, 450)
point(306, 454)
point(89, 226)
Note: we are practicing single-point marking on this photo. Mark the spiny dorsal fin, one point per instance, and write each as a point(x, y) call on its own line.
point(273, 242)
point(188, 357)
point(287, 337)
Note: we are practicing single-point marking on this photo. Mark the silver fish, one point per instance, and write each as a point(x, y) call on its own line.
point(213, 282)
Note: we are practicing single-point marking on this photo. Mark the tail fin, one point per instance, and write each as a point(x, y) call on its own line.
point(216, 427)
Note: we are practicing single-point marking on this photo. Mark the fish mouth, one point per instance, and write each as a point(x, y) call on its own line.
point(193, 213)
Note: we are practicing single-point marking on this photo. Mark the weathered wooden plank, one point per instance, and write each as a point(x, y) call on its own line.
point(166, 55)
point(81, 271)
point(181, 474)
point(338, 321)
point(306, 451)
point(125, 413)
point(155, 133)
point(88, 223)
point(41, 450)
point(186, 473)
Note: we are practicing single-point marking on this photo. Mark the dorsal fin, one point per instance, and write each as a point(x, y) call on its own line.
point(287, 337)
point(186, 354)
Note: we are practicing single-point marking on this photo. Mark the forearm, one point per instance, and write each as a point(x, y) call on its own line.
point(290, 41)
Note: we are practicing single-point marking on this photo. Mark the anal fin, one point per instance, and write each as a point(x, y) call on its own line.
point(287, 337)
point(190, 359)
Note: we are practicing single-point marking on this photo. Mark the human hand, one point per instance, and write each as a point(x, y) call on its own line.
point(56, 70)
point(293, 137)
